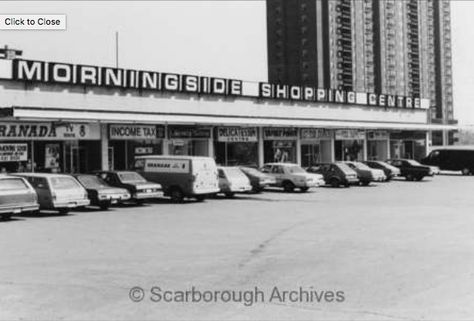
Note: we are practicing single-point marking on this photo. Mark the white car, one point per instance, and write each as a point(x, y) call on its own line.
point(291, 176)
point(232, 180)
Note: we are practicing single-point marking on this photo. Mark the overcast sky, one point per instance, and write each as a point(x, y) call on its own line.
point(214, 38)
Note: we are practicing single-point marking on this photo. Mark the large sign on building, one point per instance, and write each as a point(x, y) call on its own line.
point(49, 131)
point(85, 75)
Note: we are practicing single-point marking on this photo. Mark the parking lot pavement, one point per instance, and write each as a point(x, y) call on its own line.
point(398, 250)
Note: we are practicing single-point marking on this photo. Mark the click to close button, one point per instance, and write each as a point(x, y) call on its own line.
point(32, 22)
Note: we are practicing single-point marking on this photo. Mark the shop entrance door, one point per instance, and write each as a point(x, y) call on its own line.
point(75, 159)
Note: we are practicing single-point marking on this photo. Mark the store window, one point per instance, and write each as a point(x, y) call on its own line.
point(189, 140)
point(237, 146)
point(315, 146)
point(349, 145)
point(280, 144)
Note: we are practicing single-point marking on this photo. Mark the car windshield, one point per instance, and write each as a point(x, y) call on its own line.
point(345, 168)
point(14, 184)
point(92, 181)
point(64, 183)
point(413, 162)
point(295, 170)
point(252, 171)
point(131, 177)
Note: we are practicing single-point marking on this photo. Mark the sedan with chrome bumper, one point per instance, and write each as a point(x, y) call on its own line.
point(100, 193)
point(139, 188)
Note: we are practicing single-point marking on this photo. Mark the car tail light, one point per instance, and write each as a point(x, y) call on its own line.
point(53, 196)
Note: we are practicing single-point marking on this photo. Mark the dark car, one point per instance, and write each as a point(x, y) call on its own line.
point(139, 188)
point(100, 193)
point(411, 169)
point(389, 170)
point(335, 174)
point(258, 180)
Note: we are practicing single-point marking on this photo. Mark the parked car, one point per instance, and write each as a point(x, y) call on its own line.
point(258, 180)
point(16, 196)
point(181, 176)
point(232, 180)
point(335, 174)
point(389, 170)
point(291, 176)
point(411, 169)
point(58, 192)
point(100, 193)
point(365, 173)
point(139, 188)
point(451, 158)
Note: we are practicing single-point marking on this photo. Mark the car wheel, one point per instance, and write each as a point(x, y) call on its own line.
point(304, 189)
point(288, 187)
point(64, 211)
point(466, 171)
point(365, 183)
point(409, 177)
point(419, 178)
point(334, 182)
point(104, 206)
point(139, 202)
point(200, 198)
point(229, 195)
point(257, 190)
point(6, 217)
point(176, 195)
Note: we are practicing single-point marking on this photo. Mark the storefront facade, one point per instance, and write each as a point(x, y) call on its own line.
point(102, 118)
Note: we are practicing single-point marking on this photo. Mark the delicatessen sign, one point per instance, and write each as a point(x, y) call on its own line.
point(237, 134)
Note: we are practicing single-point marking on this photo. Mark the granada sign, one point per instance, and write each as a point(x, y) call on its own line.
point(48, 131)
point(87, 75)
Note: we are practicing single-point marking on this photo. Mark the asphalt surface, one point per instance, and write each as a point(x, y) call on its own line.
point(392, 251)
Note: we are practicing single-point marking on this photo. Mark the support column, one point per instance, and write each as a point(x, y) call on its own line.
point(333, 150)
point(260, 147)
point(298, 148)
point(388, 148)
point(211, 144)
point(104, 146)
point(364, 154)
point(165, 147)
point(427, 143)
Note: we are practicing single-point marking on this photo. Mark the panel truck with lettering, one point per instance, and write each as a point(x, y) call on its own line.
point(181, 176)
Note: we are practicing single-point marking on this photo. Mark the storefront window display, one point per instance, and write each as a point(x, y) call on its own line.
point(189, 140)
point(280, 144)
point(130, 141)
point(377, 145)
point(349, 144)
point(315, 146)
point(53, 147)
point(411, 145)
point(236, 146)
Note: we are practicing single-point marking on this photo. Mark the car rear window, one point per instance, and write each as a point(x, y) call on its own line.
point(345, 168)
point(234, 172)
point(64, 183)
point(14, 184)
point(252, 171)
point(92, 181)
point(131, 177)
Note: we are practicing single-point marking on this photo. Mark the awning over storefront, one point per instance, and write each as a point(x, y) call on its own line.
point(57, 114)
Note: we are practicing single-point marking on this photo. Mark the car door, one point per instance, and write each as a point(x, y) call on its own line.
point(45, 198)
point(279, 173)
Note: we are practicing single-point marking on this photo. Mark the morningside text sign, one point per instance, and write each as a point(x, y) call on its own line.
point(86, 75)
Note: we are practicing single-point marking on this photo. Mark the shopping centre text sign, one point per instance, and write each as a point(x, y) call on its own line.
point(85, 75)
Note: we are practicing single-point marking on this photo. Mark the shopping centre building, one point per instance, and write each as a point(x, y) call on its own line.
point(70, 117)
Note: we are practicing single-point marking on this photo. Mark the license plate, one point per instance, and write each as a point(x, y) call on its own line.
point(70, 205)
point(148, 191)
point(17, 211)
point(114, 202)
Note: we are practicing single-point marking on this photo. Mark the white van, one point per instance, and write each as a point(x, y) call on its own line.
point(180, 176)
